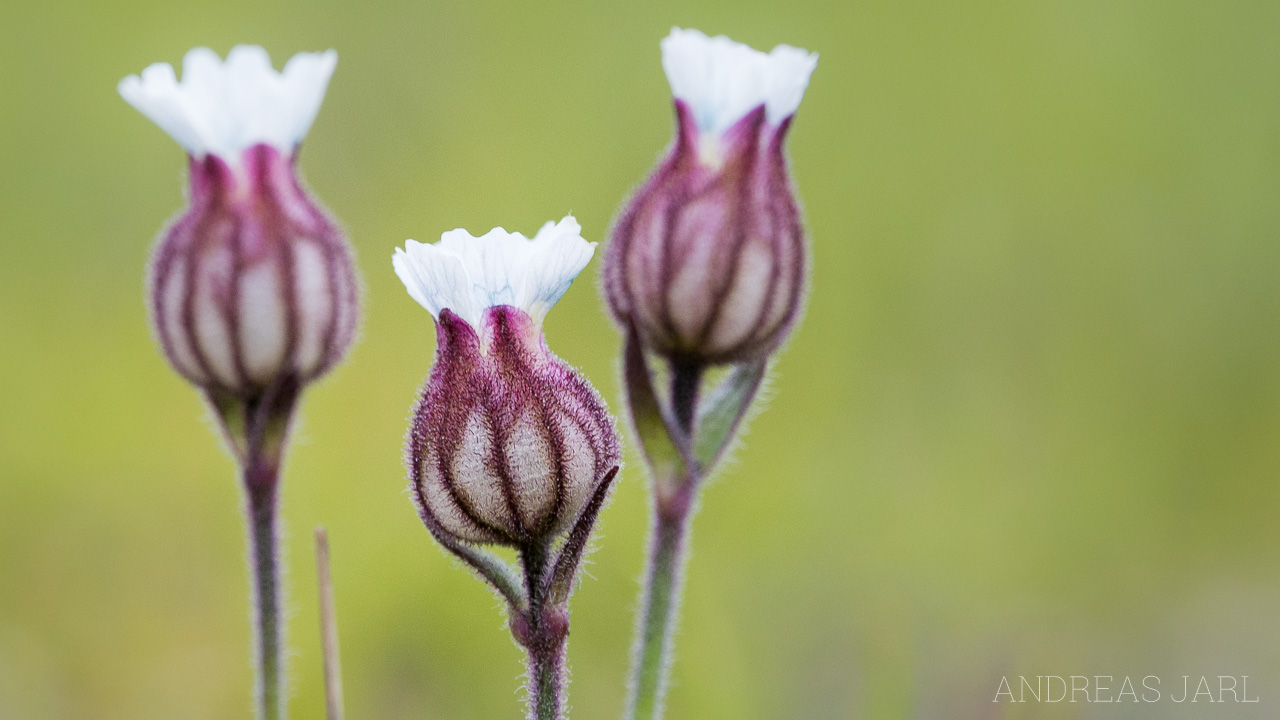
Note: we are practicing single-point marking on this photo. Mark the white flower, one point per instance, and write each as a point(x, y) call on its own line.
point(722, 80)
point(468, 274)
point(224, 108)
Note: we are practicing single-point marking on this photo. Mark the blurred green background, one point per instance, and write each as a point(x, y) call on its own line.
point(1030, 425)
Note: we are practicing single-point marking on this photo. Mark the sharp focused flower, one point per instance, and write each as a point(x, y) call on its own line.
point(508, 442)
point(253, 285)
point(707, 261)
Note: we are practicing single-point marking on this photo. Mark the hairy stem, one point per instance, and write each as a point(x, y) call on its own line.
point(663, 578)
point(546, 681)
point(675, 499)
point(256, 428)
point(673, 505)
point(260, 482)
point(543, 630)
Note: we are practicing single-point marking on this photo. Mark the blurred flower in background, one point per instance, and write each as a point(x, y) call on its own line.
point(253, 285)
point(253, 292)
point(707, 261)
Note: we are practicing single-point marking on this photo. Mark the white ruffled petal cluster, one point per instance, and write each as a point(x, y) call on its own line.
point(223, 108)
point(722, 80)
point(468, 274)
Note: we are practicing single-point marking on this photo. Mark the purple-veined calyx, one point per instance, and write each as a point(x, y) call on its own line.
point(707, 261)
point(508, 442)
point(253, 285)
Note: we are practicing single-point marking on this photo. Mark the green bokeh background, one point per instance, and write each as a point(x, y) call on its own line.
point(1030, 424)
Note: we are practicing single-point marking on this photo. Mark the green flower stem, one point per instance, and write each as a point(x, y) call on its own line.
point(546, 682)
point(256, 428)
point(260, 482)
point(664, 575)
point(543, 631)
point(673, 506)
point(682, 442)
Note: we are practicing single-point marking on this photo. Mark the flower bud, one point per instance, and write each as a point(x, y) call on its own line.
point(508, 442)
point(708, 259)
point(253, 285)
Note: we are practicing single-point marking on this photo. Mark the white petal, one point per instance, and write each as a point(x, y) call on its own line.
point(557, 254)
point(226, 107)
point(722, 80)
point(468, 274)
point(436, 279)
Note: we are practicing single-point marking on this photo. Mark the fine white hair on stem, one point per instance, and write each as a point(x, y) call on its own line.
point(468, 274)
point(722, 80)
point(225, 107)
